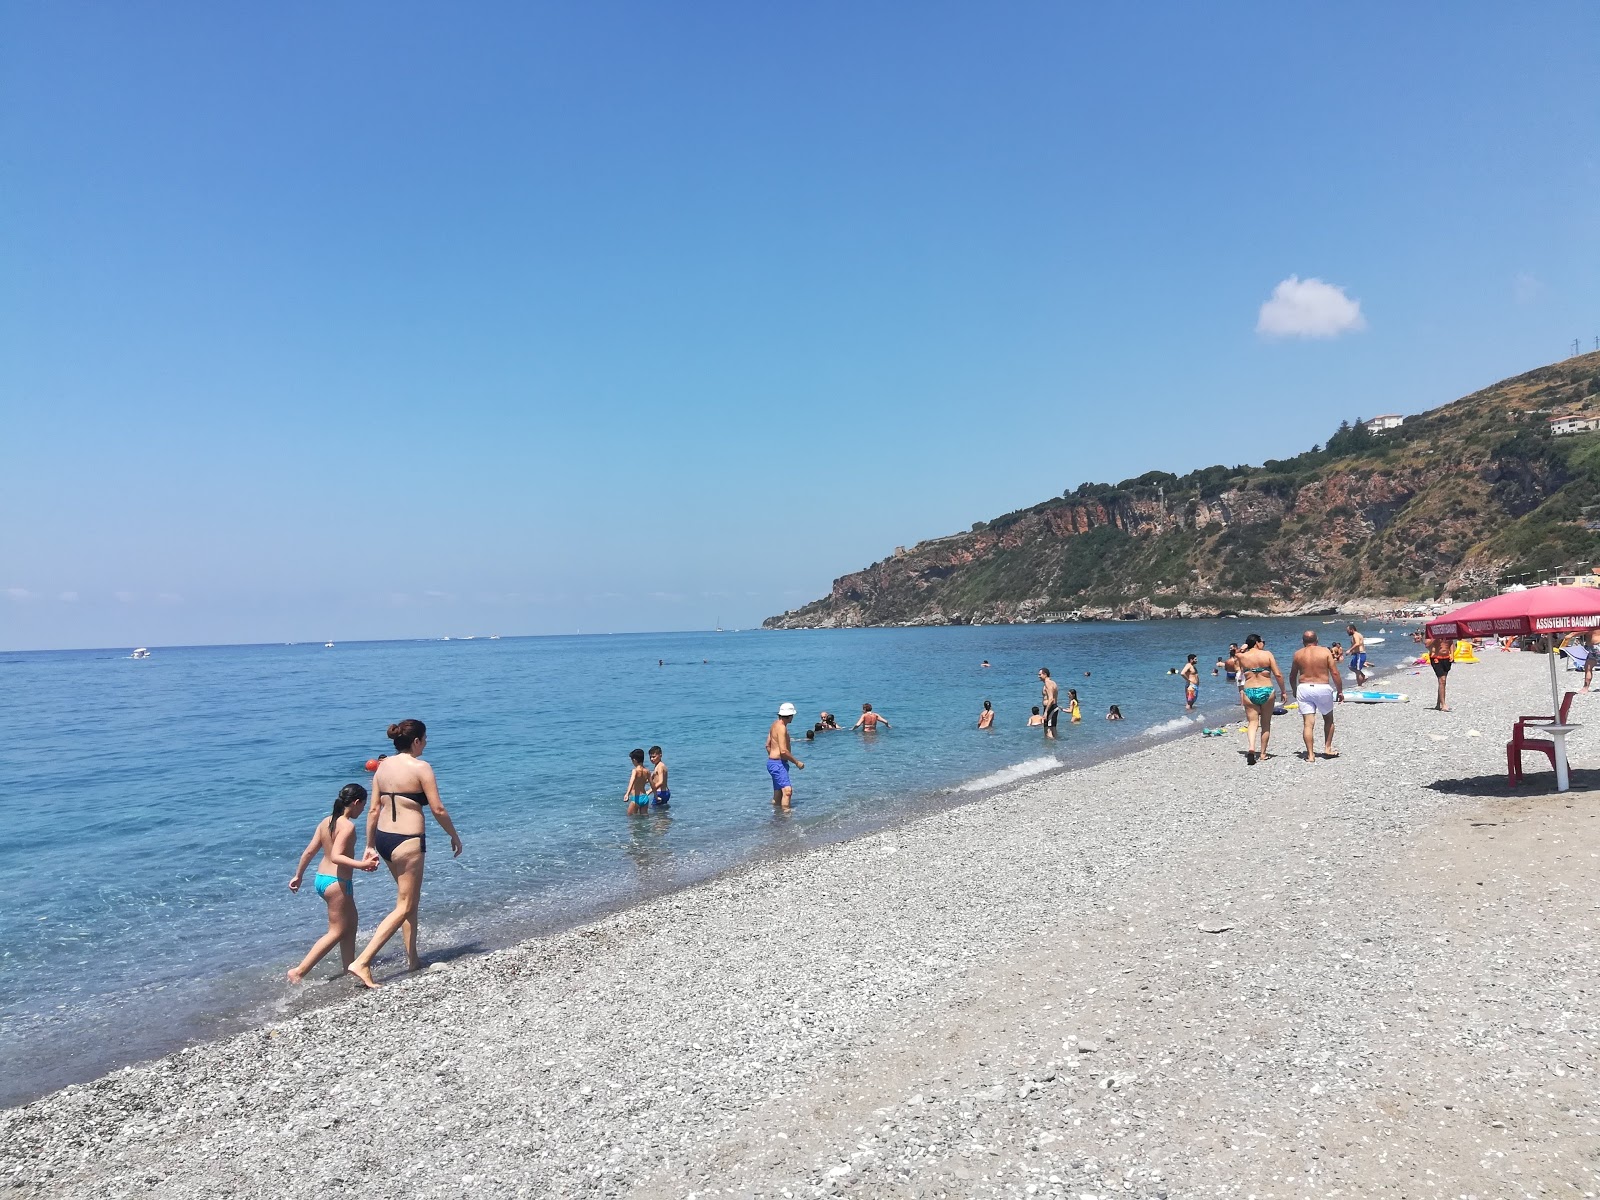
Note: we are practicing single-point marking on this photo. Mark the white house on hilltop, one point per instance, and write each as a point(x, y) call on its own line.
point(1582, 423)
point(1387, 421)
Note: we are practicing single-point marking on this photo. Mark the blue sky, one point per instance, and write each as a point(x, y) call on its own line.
point(370, 320)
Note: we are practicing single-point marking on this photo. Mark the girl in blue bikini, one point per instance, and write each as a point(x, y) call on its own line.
point(336, 838)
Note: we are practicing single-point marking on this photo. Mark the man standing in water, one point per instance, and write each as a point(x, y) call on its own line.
point(1191, 683)
point(1052, 696)
point(1317, 686)
point(779, 758)
point(1358, 655)
point(869, 721)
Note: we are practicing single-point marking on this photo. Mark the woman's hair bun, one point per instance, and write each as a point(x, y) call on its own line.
point(392, 732)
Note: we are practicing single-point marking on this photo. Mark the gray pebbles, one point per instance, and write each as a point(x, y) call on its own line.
point(1167, 975)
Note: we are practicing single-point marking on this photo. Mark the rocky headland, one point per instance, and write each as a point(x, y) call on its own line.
point(1433, 510)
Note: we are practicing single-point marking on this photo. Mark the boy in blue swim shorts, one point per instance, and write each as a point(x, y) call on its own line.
point(779, 757)
point(658, 779)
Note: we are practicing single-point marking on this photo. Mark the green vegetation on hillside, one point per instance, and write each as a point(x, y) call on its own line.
point(1450, 499)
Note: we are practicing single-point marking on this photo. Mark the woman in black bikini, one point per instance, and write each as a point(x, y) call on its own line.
point(403, 786)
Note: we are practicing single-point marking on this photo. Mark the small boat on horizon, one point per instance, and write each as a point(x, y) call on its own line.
point(141, 652)
point(327, 645)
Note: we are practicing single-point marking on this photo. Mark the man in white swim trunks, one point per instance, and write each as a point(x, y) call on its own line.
point(1317, 685)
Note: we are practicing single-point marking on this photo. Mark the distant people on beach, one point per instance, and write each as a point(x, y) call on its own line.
point(869, 721)
point(336, 839)
point(1258, 670)
point(1337, 650)
point(986, 717)
point(398, 834)
point(780, 756)
point(637, 796)
point(659, 789)
point(1035, 718)
point(1441, 653)
point(1051, 694)
point(1074, 713)
point(1358, 655)
point(1318, 686)
point(1191, 676)
point(1230, 664)
point(1114, 713)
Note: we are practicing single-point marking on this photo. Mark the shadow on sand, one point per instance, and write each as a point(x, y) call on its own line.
point(1534, 783)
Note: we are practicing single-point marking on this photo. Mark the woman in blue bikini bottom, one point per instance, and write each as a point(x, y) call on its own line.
point(1258, 670)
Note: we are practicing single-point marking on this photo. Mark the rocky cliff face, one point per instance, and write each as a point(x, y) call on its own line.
point(1439, 506)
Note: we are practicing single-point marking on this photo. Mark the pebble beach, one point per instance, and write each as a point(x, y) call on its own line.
point(1164, 975)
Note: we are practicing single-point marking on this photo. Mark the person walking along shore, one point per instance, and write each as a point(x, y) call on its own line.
point(1318, 686)
point(1257, 671)
point(398, 834)
point(1441, 656)
point(336, 839)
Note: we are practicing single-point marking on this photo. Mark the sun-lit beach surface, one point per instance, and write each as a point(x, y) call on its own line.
point(1163, 974)
point(167, 919)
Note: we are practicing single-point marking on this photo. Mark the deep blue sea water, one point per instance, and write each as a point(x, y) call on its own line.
point(155, 808)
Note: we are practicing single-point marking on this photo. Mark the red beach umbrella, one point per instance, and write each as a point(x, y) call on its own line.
point(1537, 610)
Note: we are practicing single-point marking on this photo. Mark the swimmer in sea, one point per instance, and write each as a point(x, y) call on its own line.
point(1073, 711)
point(398, 833)
point(336, 838)
point(1035, 719)
point(986, 717)
point(1051, 695)
point(1191, 683)
point(658, 778)
point(1115, 713)
point(638, 793)
point(869, 721)
point(827, 721)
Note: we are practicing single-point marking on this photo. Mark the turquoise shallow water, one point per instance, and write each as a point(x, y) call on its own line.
point(155, 808)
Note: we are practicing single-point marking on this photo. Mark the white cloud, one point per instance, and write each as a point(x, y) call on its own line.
point(126, 597)
point(18, 594)
point(1309, 308)
point(1525, 289)
point(70, 597)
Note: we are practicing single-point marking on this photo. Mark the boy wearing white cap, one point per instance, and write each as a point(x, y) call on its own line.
point(779, 758)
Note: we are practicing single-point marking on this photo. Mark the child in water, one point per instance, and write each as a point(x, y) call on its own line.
point(658, 778)
point(1035, 718)
point(1115, 714)
point(336, 838)
point(1072, 705)
point(638, 793)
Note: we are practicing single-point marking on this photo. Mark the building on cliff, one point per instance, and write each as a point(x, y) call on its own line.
point(1387, 421)
point(1581, 423)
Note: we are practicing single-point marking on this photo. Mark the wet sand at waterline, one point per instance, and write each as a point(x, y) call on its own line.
point(1166, 974)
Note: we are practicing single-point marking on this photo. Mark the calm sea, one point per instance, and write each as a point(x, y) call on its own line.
point(155, 808)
